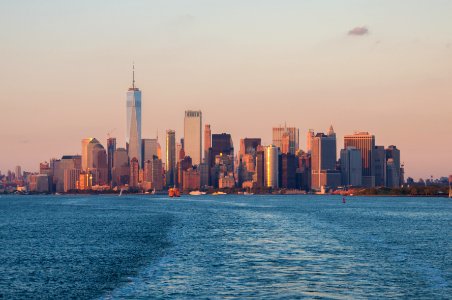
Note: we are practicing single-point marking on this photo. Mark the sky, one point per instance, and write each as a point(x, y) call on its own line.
point(380, 66)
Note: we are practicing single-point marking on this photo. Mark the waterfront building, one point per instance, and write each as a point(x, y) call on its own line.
point(111, 148)
point(191, 179)
point(182, 166)
point(85, 143)
point(204, 174)
point(379, 157)
point(170, 164)
point(120, 170)
point(192, 135)
point(38, 183)
point(351, 167)
point(393, 167)
point(271, 166)
point(58, 166)
point(134, 173)
point(304, 171)
point(207, 142)
point(287, 170)
point(259, 176)
point(226, 182)
point(97, 162)
point(323, 159)
point(147, 171)
point(365, 143)
point(85, 182)
point(133, 133)
point(70, 179)
point(157, 174)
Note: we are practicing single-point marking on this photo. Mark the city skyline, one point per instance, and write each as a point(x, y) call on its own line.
point(357, 72)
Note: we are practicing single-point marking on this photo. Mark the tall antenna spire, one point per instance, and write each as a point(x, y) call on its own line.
point(133, 75)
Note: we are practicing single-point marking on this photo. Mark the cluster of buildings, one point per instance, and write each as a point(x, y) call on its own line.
point(202, 159)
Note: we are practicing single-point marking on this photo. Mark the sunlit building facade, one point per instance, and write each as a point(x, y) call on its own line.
point(364, 142)
point(192, 135)
point(170, 163)
point(292, 137)
point(271, 166)
point(133, 133)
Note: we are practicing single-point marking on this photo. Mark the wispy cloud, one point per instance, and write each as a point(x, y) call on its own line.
point(359, 31)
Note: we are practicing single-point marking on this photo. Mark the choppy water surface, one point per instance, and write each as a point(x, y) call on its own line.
point(225, 246)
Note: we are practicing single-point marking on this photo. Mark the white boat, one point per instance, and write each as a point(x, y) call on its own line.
point(219, 193)
point(197, 193)
point(248, 193)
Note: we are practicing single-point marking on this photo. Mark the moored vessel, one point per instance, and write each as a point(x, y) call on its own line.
point(174, 192)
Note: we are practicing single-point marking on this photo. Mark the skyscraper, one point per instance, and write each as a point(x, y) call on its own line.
point(259, 176)
point(351, 167)
point(309, 138)
point(18, 172)
point(292, 138)
point(249, 146)
point(207, 141)
point(85, 143)
point(134, 173)
point(111, 148)
point(149, 149)
point(364, 142)
point(287, 170)
point(379, 157)
point(323, 160)
point(222, 144)
point(393, 167)
point(133, 133)
point(271, 166)
point(170, 164)
point(192, 135)
point(120, 170)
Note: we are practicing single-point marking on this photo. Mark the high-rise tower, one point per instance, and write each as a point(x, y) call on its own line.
point(170, 157)
point(133, 133)
point(271, 166)
point(290, 136)
point(364, 142)
point(207, 141)
point(192, 135)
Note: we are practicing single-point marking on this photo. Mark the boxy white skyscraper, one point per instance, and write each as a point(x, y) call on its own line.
point(192, 135)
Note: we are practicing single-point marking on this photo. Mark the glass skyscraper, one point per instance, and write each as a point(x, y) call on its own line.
point(133, 134)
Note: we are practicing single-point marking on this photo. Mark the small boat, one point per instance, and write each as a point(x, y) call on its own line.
point(219, 193)
point(174, 192)
point(153, 192)
point(248, 193)
point(120, 193)
point(197, 193)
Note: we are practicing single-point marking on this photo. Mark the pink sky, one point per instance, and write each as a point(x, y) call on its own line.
point(65, 71)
